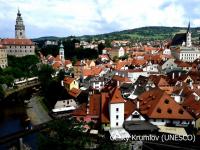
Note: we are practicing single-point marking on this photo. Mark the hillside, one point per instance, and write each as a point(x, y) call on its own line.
point(138, 34)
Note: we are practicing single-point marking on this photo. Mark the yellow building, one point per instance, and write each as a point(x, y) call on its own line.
point(70, 83)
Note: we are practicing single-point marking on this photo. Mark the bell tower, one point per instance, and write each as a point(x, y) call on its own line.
point(19, 27)
point(188, 37)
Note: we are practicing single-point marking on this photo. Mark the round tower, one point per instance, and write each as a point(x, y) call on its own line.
point(19, 27)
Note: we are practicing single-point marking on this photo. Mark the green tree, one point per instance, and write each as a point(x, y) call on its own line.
point(64, 135)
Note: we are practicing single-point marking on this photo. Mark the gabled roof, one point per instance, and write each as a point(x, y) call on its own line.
point(121, 79)
point(74, 92)
point(157, 104)
point(192, 106)
point(116, 96)
point(104, 108)
point(159, 80)
point(68, 80)
point(94, 107)
point(129, 108)
point(81, 110)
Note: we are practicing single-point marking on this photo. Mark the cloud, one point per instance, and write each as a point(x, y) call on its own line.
point(78, 17)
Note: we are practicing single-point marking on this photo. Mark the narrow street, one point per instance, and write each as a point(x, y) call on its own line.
point(36, 112)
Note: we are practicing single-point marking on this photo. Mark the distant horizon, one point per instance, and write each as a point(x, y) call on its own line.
point(93, 17)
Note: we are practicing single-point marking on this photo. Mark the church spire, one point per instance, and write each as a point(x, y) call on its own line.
point(19, 27)
point(188, 29)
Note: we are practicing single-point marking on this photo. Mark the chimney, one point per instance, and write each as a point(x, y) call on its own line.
point(118, 83)
point(173, 75)
point(179, 74)
point(138, 104)
point(62, 83)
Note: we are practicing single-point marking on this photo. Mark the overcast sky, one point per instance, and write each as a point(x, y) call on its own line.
point(81, 17)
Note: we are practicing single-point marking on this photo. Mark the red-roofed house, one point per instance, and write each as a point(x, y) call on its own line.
point(161, 109)
point(70, 83)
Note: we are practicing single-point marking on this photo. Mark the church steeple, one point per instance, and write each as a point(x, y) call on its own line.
point(61, 52)
point(19, 27)
point(188, 37)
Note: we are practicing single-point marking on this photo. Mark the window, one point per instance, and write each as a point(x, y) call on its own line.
point(116, 123)
point(169, 110)
point(117, 109)
point(159, 110)
point(166, 101)
point(180, 111)
point(117, 117)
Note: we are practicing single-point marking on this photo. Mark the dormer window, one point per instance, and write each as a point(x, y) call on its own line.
point(180, 111)
point(169, 110)
point(159, 110)
point(166, 101)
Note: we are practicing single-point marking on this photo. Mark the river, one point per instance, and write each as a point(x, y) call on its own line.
point(12, 116)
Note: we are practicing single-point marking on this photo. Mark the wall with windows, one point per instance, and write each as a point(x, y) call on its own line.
point(20, 51)
point(3, 58)
point(116, 115)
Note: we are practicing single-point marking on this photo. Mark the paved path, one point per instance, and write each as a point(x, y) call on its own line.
point(36, 112)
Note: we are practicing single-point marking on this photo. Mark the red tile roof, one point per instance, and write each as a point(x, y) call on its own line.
point(129, 108)
point(94, 107)
point(192, 106)
point(80, 111)
point(116, 96)
point(157, 104)
point(57, 65)
point(19, 42)
point(121, 79)
point(74, 92)
point(104, 108)
point(68, 80)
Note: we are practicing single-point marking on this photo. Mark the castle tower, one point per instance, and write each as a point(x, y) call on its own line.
point(61, 52)
point(19, 27)
point(188, 37)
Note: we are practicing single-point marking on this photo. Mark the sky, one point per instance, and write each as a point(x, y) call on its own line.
point(88, 17)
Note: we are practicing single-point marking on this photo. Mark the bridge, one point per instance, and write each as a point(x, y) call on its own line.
point(17, 135)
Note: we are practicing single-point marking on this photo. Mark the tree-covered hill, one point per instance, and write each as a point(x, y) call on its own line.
point(143, 33)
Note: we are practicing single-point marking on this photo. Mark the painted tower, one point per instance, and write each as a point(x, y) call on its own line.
point(116, 110)
point(188, 37)
point(61, 52)
point(19, 27)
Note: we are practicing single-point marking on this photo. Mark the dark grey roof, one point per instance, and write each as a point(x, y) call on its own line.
point(178, 39)
point(139, 126)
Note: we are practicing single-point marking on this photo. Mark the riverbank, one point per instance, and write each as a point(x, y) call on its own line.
point(36, 111)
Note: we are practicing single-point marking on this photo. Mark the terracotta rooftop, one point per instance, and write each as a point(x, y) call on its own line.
point(121, 79)
point(104, 108)
point(19, 42)
point(74, 92)
point(129, 108)
point(68, 80)
point(116, 96)
point(157, 104)
point(94, 107)
point(81, 110)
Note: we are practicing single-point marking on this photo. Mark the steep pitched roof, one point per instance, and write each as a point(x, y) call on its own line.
point(104, 108)
point(74, 92)
point(121, 79)
point(129, 108)
point(157, 104)
point(94, 107)
point(116, 96)
point(68, 80)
